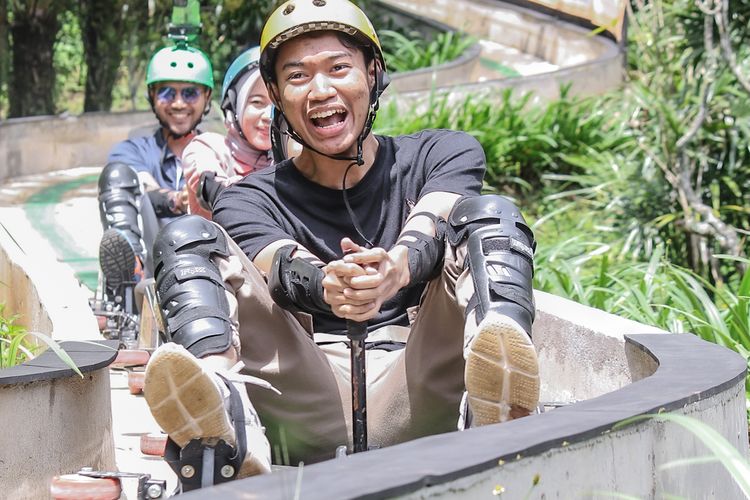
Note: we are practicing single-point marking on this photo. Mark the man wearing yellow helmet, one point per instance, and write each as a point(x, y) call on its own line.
point(142, 185)
point(391, 231)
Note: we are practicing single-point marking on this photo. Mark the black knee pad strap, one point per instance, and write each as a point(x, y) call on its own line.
point(473, 212)
point(500, 273)
point(189, 285)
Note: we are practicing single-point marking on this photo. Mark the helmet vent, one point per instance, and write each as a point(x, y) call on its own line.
point(289, 9)
point(319, 3)
point(173, 64)
point(190, 65)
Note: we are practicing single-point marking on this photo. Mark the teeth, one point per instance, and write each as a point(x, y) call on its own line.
point(326, 114)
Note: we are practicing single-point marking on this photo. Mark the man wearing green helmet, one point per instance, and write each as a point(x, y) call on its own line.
point(391, 231)
point(142, 185)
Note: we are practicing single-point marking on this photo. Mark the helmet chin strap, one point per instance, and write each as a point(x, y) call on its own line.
point(359, 159)
point(381, 81)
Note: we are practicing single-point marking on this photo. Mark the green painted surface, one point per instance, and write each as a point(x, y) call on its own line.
point(504, 70)
point(40, 209)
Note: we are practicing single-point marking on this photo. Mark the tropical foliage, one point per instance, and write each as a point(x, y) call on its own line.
point(92, 56)
point(639, 198)
point(406, 52)
point(12, 349)
point(18, 345)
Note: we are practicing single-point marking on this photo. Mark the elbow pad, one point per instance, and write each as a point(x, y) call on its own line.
point(296, 284)
point(208, 190)
point(426, 253)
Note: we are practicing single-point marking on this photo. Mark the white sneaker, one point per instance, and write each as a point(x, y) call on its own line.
point(190, 402)
point(502, 371)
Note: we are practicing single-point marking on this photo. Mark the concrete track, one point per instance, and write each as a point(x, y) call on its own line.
point(61, 208)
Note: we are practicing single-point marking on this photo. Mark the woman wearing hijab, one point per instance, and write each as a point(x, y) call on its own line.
point(246, 147)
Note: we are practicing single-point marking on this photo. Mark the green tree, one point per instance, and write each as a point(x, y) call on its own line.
point(102, 30)
point(4, 51)
point(33, 30)
point(236, 28)
point(691, 112)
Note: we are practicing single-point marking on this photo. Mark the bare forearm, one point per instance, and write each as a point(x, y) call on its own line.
point(419, 248)
point(438, 204)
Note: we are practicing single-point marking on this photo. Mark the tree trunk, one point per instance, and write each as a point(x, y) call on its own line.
point(4, 44)
point(32, 80)
point(102, 33)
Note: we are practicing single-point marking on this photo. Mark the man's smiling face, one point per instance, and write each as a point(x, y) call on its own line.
point(324, 89)
point(180, 105)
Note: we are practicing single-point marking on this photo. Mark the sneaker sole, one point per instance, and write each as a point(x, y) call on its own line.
point(184, 400)
point(502, 371)
point(116, 258)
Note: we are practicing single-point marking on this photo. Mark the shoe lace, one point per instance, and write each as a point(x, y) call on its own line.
point(233, 375)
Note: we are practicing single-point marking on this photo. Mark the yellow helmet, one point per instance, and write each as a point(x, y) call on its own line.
point(296, 17)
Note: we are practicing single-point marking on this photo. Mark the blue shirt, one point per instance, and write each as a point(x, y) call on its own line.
point(152, 155)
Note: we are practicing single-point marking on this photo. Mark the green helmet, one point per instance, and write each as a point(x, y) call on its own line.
point(180, 63)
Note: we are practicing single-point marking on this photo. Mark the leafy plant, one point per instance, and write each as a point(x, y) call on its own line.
point(409, 52)
point(531, 150)
point(13, 351)
point(70, 73)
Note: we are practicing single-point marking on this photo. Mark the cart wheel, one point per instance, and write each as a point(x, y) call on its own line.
point(74, 486)
point(130, 357)
point(135, 382)
point(101, 321)
point(153, 443)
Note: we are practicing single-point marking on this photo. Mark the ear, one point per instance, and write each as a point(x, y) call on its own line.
point(371, 73)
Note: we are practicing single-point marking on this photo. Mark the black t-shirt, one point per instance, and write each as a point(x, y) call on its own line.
point(280, 203)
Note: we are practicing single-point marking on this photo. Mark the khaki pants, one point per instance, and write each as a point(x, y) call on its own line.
point(411, 392)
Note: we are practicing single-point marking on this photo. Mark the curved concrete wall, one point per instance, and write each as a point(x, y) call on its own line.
point(589, 64)
point(42, 144)
point(53, 425)
point(55, 421)
point(575, 451)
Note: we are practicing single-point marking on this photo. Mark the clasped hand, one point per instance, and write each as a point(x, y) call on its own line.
point(357, 285)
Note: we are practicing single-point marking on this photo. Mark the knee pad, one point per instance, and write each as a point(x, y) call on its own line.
point(119, 191)
point(189, 286)
point(499, 254)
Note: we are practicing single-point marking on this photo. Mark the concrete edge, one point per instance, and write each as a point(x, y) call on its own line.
point(87, 356)
point(42, 287)
point(690, 370)
point(543, 85)
point(423, 78)
point(56, 421)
